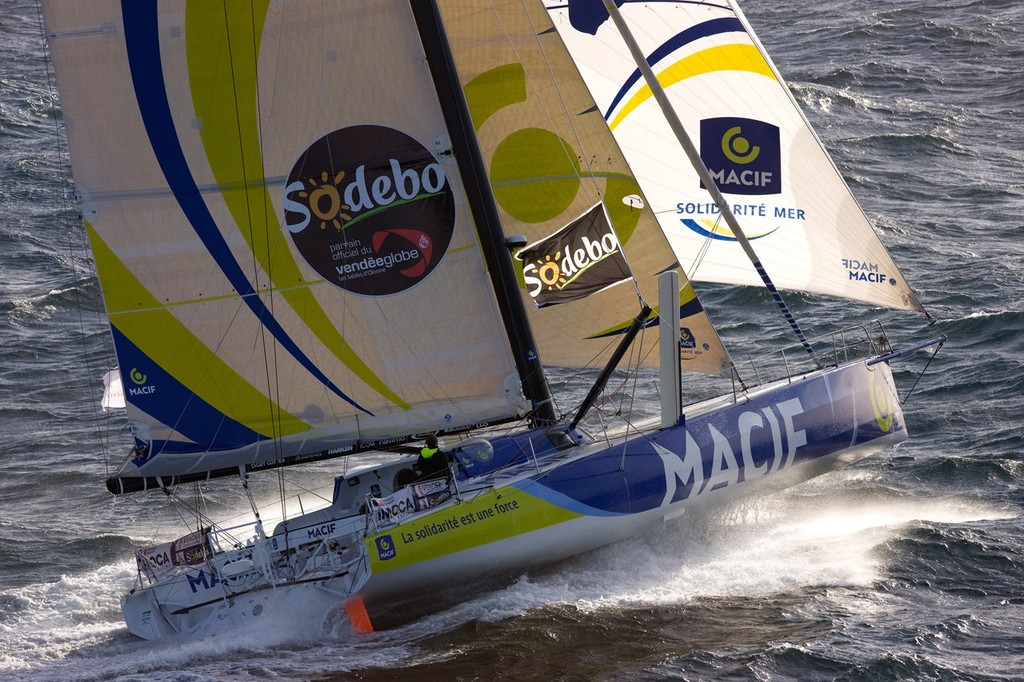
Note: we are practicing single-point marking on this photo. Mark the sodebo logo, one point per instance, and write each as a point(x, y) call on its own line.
point(332, 201)
point(554, 272)
point(370, 209)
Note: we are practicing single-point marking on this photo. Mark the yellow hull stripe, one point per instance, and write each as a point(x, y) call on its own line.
point(497, 515)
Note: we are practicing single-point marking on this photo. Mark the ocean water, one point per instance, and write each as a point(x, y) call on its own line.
point(908, 565)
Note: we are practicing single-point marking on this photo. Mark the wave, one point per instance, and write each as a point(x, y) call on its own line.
point(82, 296)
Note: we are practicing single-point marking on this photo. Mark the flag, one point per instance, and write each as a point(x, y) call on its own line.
point(113, 392)
point(580, 259)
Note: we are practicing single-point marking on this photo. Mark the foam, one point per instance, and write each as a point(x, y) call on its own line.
point(776, 544)
point(72, 629)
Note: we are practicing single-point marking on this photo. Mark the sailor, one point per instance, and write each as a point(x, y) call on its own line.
point(432, 462)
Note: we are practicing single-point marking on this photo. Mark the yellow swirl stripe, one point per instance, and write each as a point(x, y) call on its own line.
point(721, 58)
point(159, 334)
point(225, 100)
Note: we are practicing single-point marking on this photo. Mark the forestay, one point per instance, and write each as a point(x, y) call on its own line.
point(788, 195)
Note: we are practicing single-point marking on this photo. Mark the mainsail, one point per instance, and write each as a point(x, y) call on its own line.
point(792, 201)
point(283, 245)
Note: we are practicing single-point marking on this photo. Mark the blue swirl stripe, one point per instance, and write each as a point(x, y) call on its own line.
point(143, 44)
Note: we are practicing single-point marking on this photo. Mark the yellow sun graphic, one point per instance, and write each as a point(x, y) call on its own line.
point(325, 190)
point(550, 272)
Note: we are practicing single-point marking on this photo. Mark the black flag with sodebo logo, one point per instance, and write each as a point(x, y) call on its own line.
point(580, 259)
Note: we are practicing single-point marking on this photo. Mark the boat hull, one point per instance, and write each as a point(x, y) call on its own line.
point(780, 437)
point(577, 499)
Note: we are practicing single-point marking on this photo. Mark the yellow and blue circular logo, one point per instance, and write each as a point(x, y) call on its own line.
point(880, 403)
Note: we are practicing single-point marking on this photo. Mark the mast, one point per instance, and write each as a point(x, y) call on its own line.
point(702, 170)
point(484, 209)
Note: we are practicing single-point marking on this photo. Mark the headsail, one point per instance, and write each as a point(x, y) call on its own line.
point(805, 224)
point(283, 245)
point(551, 157)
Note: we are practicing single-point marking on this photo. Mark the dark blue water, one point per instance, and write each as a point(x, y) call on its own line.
point(909, 565)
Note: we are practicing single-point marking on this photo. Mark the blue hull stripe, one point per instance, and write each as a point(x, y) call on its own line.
point(561, 500)
point(793, 424)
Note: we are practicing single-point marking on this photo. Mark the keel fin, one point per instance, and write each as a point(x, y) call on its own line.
point(358, 616)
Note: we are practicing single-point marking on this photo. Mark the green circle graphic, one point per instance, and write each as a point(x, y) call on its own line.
point(529, 159)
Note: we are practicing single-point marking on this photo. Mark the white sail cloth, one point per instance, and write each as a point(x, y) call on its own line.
point(791, 200)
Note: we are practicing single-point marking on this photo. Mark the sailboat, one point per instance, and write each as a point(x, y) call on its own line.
point(330, 230)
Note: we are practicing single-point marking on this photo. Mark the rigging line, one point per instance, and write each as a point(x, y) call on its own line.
point(315, 493)
point(197, 504)
point(181, 507)
point(397, 338)
point(80, 274)
point(925, 369)
point(591, 364)
point(268, 213)
point(672, 118)
point(569, 116)
point(631, 375)
point(632, 397)
point(192, 395)
point(276, 409)
point(623, 346)
point(269, 354)
point(705, 247)
point(275, 423)
point(635, 357)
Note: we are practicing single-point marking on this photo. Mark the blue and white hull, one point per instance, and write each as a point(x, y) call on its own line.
point(601, 492)
point(533, 498)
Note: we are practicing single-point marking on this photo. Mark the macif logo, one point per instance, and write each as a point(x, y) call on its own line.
point(686, 338)
point(743, 155)
point(385, 547)
point(141, 388)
